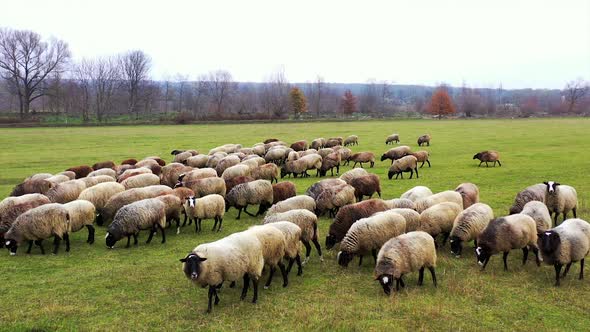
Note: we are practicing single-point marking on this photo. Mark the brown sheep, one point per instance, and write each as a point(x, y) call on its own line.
point(366, 186)
point(422, 156)
point(151, 164)
point(159, 160)
point(424, 139)
point(363, 157)
point(282, 191)
point(469, 192)
point(232, 182)
point(299, 146)
point(81, 171)
point(270, 140)
point(130, 161)
point(103, 164)
point(348, 215)
point(329, 162)
point(332, 142)
point(396, 153)
point(488, 156)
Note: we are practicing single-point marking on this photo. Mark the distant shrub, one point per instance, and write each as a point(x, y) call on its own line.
point(184, 118)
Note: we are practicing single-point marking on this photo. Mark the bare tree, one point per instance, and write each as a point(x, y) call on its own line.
point(574, 92)
point(199, 95)
point(181, 85)
point(316, 94)
point(106, 78)
point(26, 62)
point(83, 74)
point(275, 95)
point(135, 66)
point(369, 99)
point(220, 87)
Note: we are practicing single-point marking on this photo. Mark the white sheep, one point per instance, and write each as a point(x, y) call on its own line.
point(444, 196)
point(439, 218)
point(468, 225)
point(293, 203)
point(416, 193)
point(540, 214)
point(206, 207)
point(560, 198)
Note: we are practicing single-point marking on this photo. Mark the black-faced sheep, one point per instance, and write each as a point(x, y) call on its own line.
point(129, 196)
point(333, 198)
point(258, 192)
point(82, 214)
point(424, 139)
point(560, 198)
point(535, 192)
point(99, 195)
point(362, 157)
point(348, 215)
point(132, 218)
point(404, 164)
point(351, 140)
point(540, 214)
point(273, 250)
point(292, 234)
point(366, 186)
point(392, 138)
point(171, 172)
point(12, 207)
point(468, 225)
point(488, 157)
point(282, 191)
point(330, 162)
point(422, 156)
point(396, 153)
point(207, 207)
point(469, 192)
point(353, 173)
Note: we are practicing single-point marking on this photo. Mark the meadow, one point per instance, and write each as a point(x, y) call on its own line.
point(143, 288)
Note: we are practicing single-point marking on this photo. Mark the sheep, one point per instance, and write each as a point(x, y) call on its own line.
point(234, 171)
point(141, 180)
point(424, 139)
point(468, 225)
point(517, 231)
point(439, 218)
point(200, 173)
point(32, 186)
point(150, 164)
point(392, 138)
point(81, 171)
point(226, 148)
point(93, 181)
point(66, 191)
point(252, 163)
point(535, 192)
point(259, 160)
point(405, 164)
point(174, 207)
point(367, 235)
point(366, 186)
point(297, 202)
point(171, 172)
point(348, 176)
point(412, 218)
point(273, 250)
point(206, 186)
point(270, 140)
point(306, 152)
point(329, 162)
point(103, 164)
point(351, 140)
point(325, 151)
point(469, 192)
point(198, 161)
point(400, 203)
point(71, 175)
point(565, 244)
point(266, 172)
point(258, 149)
point(192, 152)
point(82, 214)
point(345, 154)
point(127, 197)
point(159, 160)
point(206, 207)
point(225, 163)
point(422, 156)
point(299, 145)
point(120, 169)
point(333, 141)
point(560, 198)
point(318, 143)
point(12, 207)
point(230, 183)
point(58, 178)
point(228, 259)
point(444, 196)
point(396, 153)
point(540, 214)
point(363, 157)
point(276, 156)
point(38, 224)
point(302, 165)
point(104, 171)
point(130, 161)
point(348, 215)
point(307, 221)
point(333, 198)
point(99, 195)
point(315, 189)
point(292, 234)
point(258, 192)
point(182, 157)
point(132, 218)
point(282, 191)
point(404, 254)
point(183, 194)
point(133, 172)
point(40, 176)
point(488, 156)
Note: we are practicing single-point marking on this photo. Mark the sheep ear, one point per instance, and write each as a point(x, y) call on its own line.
point(556, 184)
point(183, 260)
point(545, 183)
point(202, 259)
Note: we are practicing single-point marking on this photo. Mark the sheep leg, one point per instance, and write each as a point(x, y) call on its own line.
point(487, 164)
point(480, 163)
point(567, 269)
point(163, 233)
point(422, 164)
point(372, 164)
point(214, 225)
point(428, 161)
point(212, 291)
point(67, 239)
point(505, 257)
point(555, 218)
point(307, 251)
point(360, 260)
point(445, 238)
point(184, 221)
point(199, 220)
point(255, 286)
point(397, 285)
point(135, 239)
point(239, 213)
point(56, 241)
point(564, 216)
point(90, 234)
point(318, 248)
point(537, 259)
point(374, 252)
point(152, 232)
point(30, 246)
point(270, 275)
point(39, 243)
point(557, 273)
point(421, 276)
point(433, 274)
point(401, 281)
point(220, 222)
point(525, 255)
point(232, 284)
point(354, 165)
point(246, 285)
point(300, 267)
point(128, 241)
point(485, 263)
point(416, 173)
point(581, 269)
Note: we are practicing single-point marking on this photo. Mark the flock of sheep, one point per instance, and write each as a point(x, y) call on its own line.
point(399, 233)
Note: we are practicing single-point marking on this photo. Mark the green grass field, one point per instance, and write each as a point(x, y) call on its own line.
point(143, 288)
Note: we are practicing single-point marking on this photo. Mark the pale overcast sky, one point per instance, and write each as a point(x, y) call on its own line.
point(537, 44)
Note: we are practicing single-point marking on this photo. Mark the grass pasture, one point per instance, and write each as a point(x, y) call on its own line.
point(143, 288)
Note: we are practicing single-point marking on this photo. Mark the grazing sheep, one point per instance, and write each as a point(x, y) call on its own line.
point(540, 214)
point(468, 225)
point(367, 235)
point(299, 146)
point(82, 214)
point(297, 202)
point(103, 164)
point(488, 156)
point(133, 172)
point(351, 140)
point(268, 172)
point(400, 203)
point(258, 159)
point(141, 180)
point(307, 221)
point(333, 198)
point(424, 139)
point(345, 154)
point(258, 192)
point(81, 171)
point(130, 161)
point(182, 157)
point(292, 234)
point(33, 186)
point(66, 191)
point(258, 149)
point(337, 139)
point(282, 191)
point(41, 176)
point(348, 176)
point(12, 207)
point(252, 163)
point(230, 183)
point(270, 140)
point(206, 186)
point(366, 186)
point(322, 185)
point(404, 164)
point(325, 151)
point(302, 165)
point(38, 224)
point(159, 160)
point(412, 218)
point(198, 161)
point(71, 175)
point(329, 162)
point(444, 196)
point(104, 171)
point(392, 138)
point(439, 218)
point(517, 231)
point(120, 169)
point(226, 148)
point(305, 152)
point(363, 157)
point(416, 193)
point(406, 253)
point(127, 197)
point(225, 163)
point(200, 173)
point(58, 178)
point(174, 207)
point(273, 250)
point(236, 256)
point(535, 192)
point(396, 153)
point(206, 207)
point(318, 143)
point(93, 181)
point(132, 218)
point(150, 164)
point(564, 245)
point(560, 198)
point(422, 156)
point(171, 172)
point(235, 171)
point(348, 215)
point(469, 192)
point(99, 195)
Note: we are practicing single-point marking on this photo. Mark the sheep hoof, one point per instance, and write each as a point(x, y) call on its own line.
point(265, 287)
point(305, 261)
point(177, 231)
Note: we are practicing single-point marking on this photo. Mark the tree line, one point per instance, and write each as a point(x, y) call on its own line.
point(40, 77)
